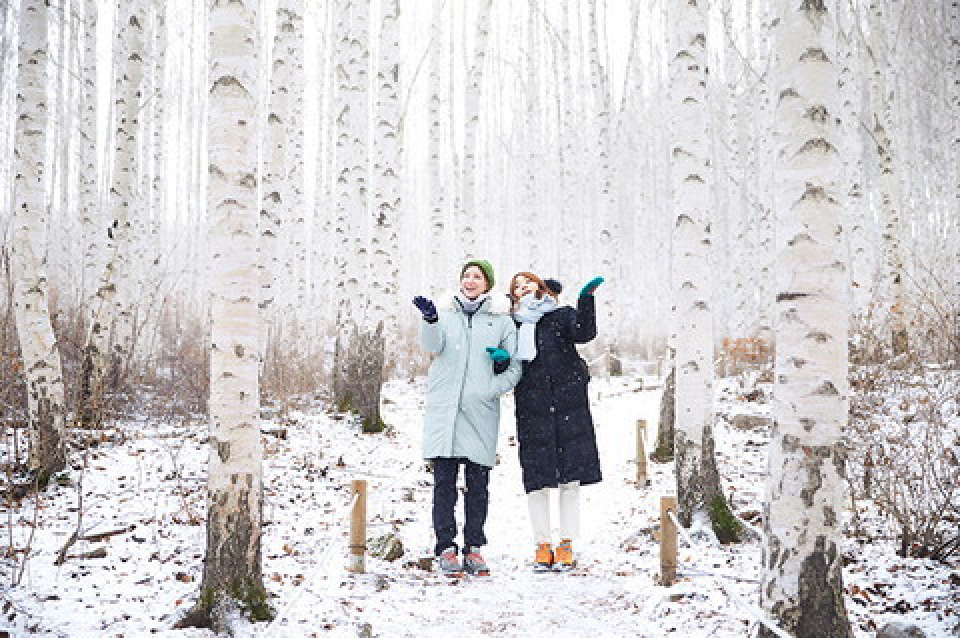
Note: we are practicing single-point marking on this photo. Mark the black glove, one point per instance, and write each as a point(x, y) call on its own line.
point(501, 359)
point(426, 308)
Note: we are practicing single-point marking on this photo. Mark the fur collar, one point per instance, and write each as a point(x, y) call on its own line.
point(498, 304)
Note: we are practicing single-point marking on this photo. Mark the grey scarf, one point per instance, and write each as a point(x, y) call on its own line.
point(471, 306)
point(528, 313)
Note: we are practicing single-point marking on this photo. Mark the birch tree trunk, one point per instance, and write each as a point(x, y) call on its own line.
point(698, 481)
point(859, 246)
point(38, 344)
point(89, 188)
point(232, 576)
point(607, 232)
point(802, 586)
point(358, 371)
point(111, 313)
point(888, 186)
point(275, 210)
point(439, 191)
point(954, 96)
point(384, 248)
point(294, 223)
point(471, 122)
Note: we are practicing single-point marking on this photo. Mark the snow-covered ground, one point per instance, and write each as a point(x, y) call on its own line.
point(151, 485)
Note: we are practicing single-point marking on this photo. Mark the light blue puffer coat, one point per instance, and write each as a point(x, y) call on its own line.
point(462, 417)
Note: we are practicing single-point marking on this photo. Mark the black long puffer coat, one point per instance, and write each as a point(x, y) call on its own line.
point(554, 426)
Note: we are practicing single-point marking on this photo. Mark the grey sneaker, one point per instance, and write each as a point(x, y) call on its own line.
point(473, 563)
point(448, 563)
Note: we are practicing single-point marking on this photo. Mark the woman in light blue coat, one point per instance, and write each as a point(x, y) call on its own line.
point(474, 347)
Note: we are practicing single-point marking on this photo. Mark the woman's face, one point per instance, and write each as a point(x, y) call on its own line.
point(522, 285)
point(473, 283)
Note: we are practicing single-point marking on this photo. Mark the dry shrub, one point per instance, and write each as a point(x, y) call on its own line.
point(905, 453)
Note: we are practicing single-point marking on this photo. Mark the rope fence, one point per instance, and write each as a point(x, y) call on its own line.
point(328, 544)
point(668, 553)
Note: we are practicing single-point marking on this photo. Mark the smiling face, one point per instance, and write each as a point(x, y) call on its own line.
point(473, 283)
point(523, 285)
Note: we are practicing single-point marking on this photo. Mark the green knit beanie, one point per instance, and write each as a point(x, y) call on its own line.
point(484, 266)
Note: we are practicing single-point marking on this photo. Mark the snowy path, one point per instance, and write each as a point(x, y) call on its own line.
point(612, 594)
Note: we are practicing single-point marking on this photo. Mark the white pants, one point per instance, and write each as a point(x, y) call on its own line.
point(568, 512)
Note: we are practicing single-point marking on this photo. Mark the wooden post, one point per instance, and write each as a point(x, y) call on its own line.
point(668, 541)
point(641, 453)
point(358, 528)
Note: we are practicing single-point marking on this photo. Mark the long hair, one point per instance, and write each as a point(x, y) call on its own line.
point(541, 288)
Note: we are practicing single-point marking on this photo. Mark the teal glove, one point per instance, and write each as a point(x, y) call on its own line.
point(498, 354)
point(590, 286)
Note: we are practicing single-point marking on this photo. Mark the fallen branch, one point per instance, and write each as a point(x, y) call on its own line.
point(99, 552)
point(62, 554)
point(105, 535)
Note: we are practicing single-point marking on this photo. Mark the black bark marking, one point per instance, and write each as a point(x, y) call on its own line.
point(790, 296)
point(827, 389)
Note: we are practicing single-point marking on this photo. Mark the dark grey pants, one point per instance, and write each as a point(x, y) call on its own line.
point(445, 471)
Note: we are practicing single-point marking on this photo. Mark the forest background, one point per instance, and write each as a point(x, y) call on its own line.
point(386, 142)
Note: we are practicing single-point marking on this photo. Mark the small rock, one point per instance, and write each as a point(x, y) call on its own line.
point(900, 630)
point(388, 547)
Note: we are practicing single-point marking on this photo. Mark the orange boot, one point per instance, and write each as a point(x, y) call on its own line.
point(563, 560)
point(543, 560)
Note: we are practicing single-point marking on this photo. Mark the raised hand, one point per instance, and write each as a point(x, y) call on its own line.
point(426, 308)
point(591, 286)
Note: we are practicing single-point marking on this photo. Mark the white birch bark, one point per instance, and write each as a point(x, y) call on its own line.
point(802, 586)
point(569, 211)
point(158, 101)
point(697, 478)
point(61, 240)
point(93, 232)
point(232, 575)
point(275, 208)
point(294, 222)
point(436, 160)
point(888, 185)
point(325, 251)
point(859, 248)
point(474, 81)
point(111, 330)
point(954, 97)
point(384, 247)
point(607, 230)
point(527, 135)
point(764, 175)
point(38, 344)
point(358, 369)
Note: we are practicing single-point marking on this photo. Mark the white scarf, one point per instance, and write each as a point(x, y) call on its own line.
point(528, 313)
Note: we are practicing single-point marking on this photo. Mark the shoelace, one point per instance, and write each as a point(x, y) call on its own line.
point(450, 558)
point(476, 558)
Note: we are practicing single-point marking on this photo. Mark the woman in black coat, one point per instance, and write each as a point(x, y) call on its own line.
point(558, 447)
